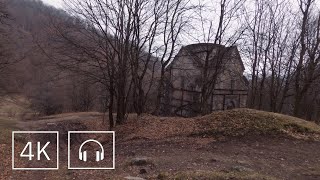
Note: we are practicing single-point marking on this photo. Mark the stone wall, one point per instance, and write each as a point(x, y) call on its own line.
point(185, 78)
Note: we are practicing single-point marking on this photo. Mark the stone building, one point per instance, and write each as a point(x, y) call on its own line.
point(203, 78)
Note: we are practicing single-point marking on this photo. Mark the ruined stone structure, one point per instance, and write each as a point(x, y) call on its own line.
point(202, 78)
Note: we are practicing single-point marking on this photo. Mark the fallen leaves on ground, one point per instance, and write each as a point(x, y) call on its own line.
point(237, 122)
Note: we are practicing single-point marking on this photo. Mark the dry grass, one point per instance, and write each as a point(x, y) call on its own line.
point(15, 107)
point(240, 122)
point(71, 116)
point(237, 122)
point(7, 125)
point(12, 110)
point(152, 127)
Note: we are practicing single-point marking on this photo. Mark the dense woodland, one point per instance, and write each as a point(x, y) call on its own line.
point(111, 55)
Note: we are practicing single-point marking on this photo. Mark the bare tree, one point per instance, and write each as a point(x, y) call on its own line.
point(213, 64)
point(114, 42)
point(271, 45)
point(146, 22)
point(84, 45)
point(173, 21)
point(305, 73)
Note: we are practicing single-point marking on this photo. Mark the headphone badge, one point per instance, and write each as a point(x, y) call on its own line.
point(99, 154)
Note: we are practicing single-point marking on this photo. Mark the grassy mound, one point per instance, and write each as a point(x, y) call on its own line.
point(240, 122)
point(232, 123)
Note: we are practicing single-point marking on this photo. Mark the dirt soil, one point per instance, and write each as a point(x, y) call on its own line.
point(179, 148)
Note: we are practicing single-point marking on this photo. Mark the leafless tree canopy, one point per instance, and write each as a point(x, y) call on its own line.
point(115, 55)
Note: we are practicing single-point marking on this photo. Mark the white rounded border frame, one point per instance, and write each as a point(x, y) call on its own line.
point(94, 132)
point(35, 132)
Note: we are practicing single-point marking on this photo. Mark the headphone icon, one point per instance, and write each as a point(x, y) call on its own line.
point(99, 155)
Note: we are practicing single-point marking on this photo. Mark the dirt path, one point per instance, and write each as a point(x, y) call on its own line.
point(277, 157)
point(272, 157)
point(249, 157)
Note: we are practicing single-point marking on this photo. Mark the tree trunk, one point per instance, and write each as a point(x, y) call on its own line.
point(157, 110)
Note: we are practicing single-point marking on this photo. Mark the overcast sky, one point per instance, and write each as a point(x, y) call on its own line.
point(56, 3)
point(59, 3)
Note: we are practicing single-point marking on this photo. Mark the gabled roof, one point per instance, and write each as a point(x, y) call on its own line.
point(205, 47)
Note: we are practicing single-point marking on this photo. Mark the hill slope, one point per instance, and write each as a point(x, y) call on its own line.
point(237, 122)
